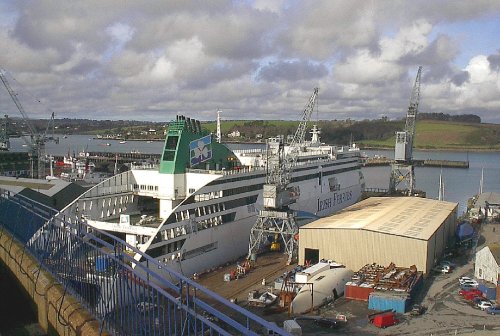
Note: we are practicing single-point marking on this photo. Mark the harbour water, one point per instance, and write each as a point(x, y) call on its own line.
point(460, 184)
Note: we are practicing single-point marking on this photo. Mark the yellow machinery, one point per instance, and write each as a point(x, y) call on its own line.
point(275, 245)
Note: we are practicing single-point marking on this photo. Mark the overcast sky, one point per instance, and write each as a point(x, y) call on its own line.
point(151, 60)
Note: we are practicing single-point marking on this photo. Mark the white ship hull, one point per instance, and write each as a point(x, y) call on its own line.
point(232, 239)
point(196, 210)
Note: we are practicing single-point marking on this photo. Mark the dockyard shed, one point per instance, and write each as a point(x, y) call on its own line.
point(53, 193)
point(404, 230)
point(487, 263)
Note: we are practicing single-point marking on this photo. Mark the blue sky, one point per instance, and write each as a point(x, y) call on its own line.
point(474, 37)
point(261, 59)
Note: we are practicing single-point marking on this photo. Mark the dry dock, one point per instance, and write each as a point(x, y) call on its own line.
point(268, 266)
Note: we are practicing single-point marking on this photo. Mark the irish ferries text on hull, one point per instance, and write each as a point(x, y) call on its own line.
point(195, 210)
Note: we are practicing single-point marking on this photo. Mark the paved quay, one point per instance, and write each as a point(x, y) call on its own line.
point(447, 312)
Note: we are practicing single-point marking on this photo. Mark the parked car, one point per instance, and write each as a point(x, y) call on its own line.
point(477, 300)
point(472, 283)
point(463, 279)
point(493, 310)
point(484, 304)
point(417, 310)
point(467, 287)
point(472, 296)
point(471, 291)
point(442, 269)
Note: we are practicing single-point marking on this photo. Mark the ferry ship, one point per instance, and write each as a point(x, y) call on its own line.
point(195, 210)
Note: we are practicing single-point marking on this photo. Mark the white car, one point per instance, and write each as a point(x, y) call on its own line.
point(461, 280)
point(484, 304)
point(472, 283)
point(442, 269)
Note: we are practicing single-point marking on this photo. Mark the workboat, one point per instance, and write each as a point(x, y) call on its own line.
point(194, 211)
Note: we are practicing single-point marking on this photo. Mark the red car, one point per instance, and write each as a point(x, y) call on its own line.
point(470, 292)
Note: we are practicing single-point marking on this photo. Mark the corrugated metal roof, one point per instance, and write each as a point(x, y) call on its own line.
point(495, 251)
point(412, 217)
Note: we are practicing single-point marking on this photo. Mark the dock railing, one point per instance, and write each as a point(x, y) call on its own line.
point(127, 296)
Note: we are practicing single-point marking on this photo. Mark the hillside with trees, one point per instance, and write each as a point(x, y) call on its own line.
point(433, 130)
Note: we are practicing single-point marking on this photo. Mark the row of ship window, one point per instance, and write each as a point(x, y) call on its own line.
point(145, 187)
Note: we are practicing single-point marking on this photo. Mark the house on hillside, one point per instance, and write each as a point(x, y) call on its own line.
point(234, 134)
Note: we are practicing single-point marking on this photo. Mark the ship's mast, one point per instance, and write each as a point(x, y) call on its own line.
point(441, 186)
point(481, 182)
point(219, 135)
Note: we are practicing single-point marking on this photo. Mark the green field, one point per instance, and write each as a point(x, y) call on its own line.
point(447, 135)
point(430, 134)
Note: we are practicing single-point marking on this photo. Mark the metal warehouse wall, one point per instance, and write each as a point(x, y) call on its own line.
point(444, 235)
point(356, 248)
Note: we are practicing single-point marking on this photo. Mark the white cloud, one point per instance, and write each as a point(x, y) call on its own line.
point(409, 40)
point(363, 67)
point(479, 70)
point(163, 69)
point(164, 57)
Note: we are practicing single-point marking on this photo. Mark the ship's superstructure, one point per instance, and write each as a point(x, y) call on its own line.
point(195, 211)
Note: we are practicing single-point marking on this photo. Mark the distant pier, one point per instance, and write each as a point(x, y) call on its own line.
point(383, 161)
point(121, 158)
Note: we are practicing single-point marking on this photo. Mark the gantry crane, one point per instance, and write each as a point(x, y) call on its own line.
point(402, 170)
point(36, 142)
point(276, 219)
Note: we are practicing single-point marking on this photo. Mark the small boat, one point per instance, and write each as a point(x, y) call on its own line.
point(123, 142)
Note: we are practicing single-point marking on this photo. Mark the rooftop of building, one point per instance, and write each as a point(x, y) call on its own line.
point(495, 251)
point(492, 198)
point(411, 217)
point(55, 193)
